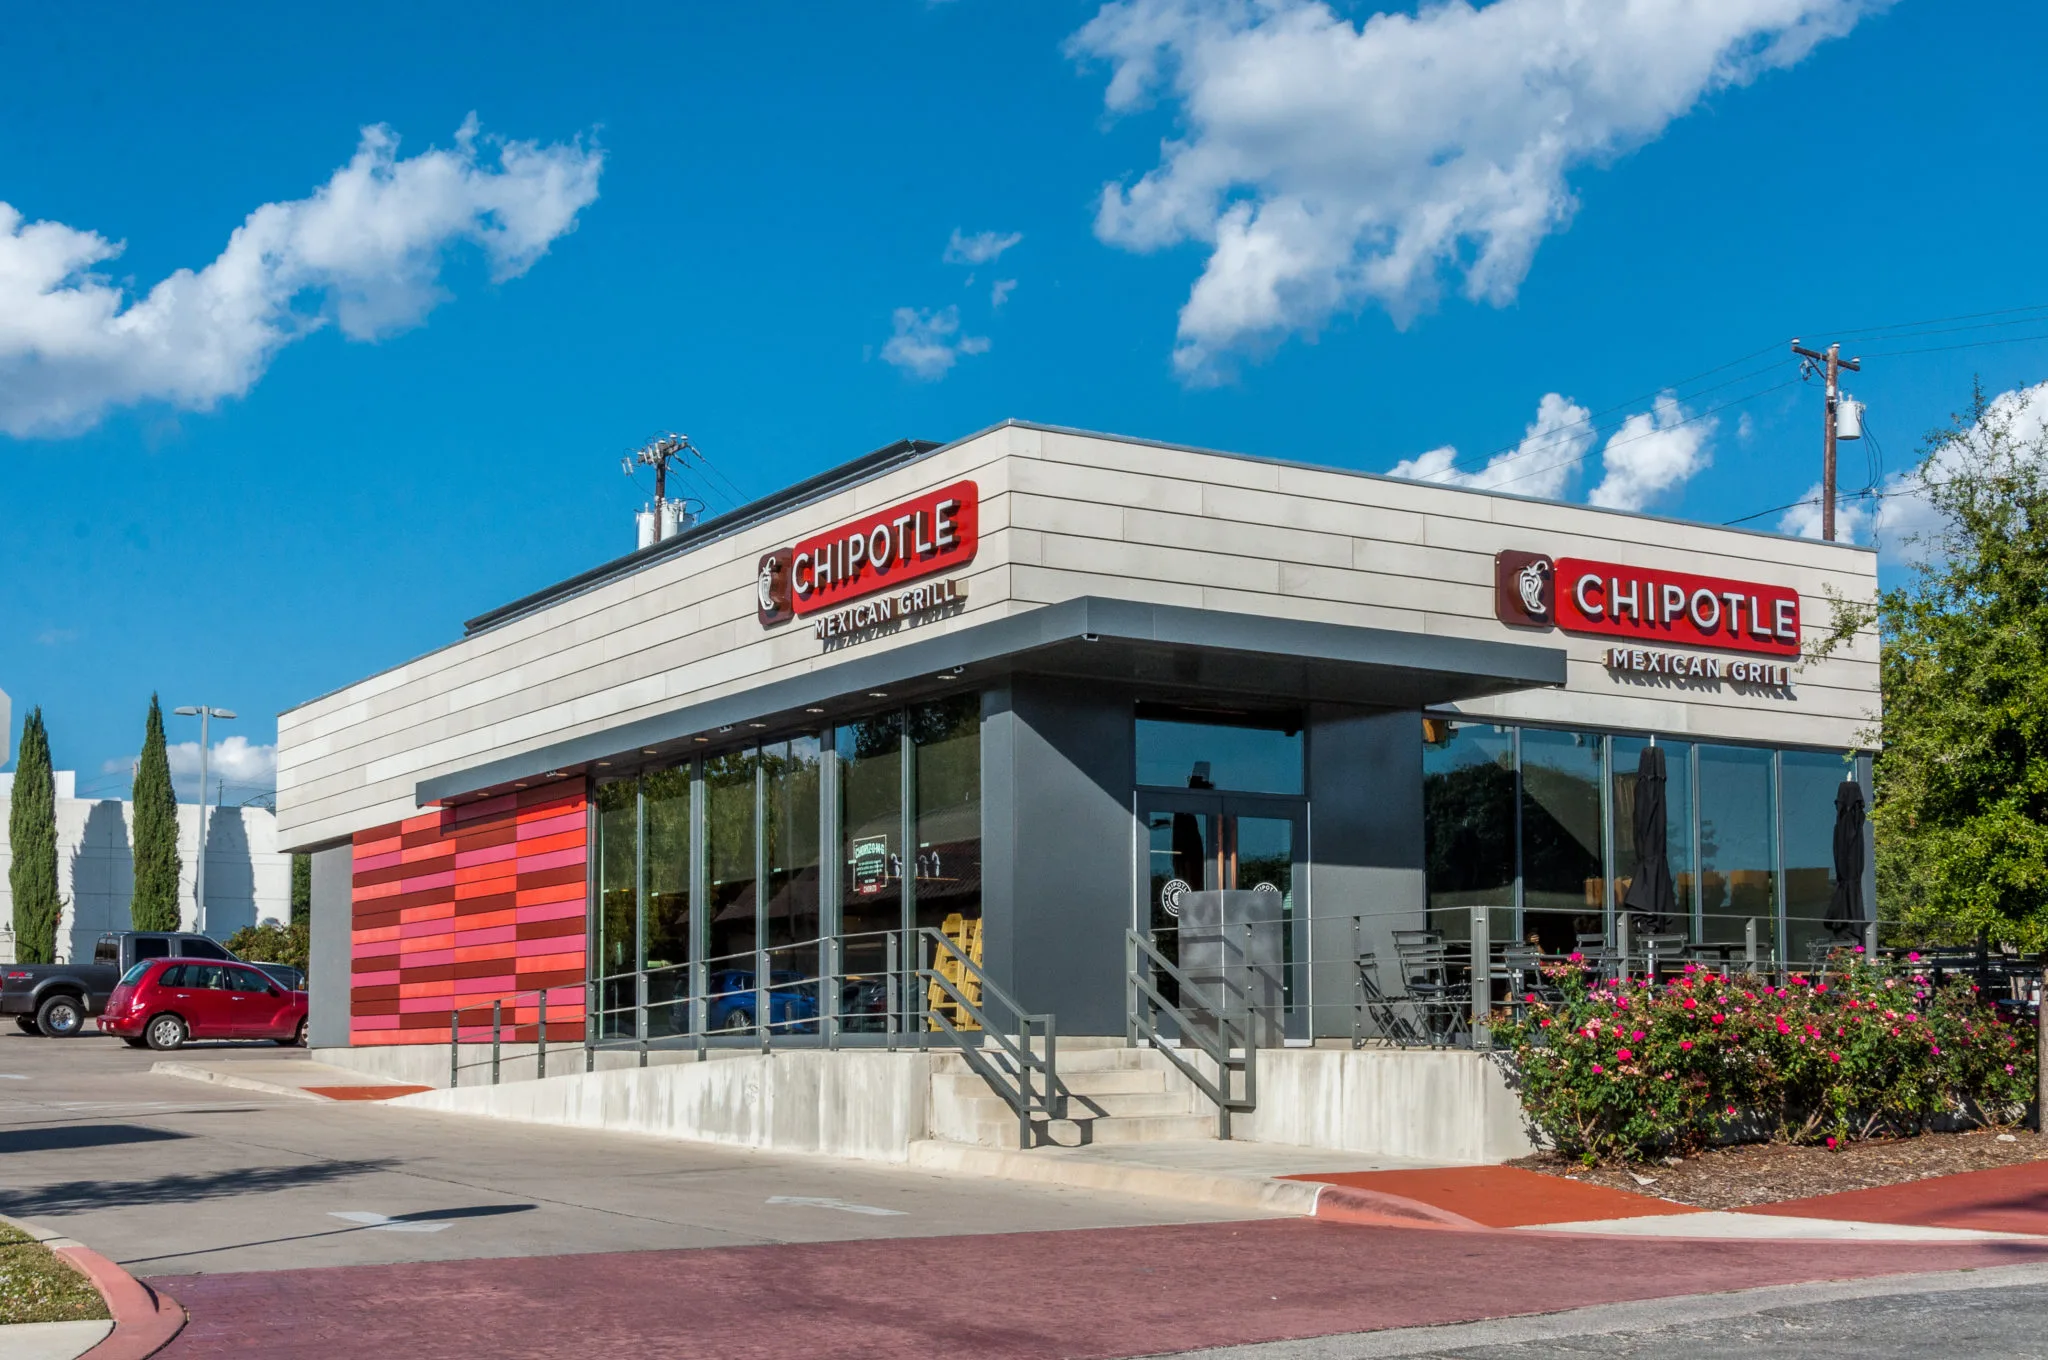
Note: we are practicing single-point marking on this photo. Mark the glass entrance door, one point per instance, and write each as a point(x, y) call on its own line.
point(1203, 842)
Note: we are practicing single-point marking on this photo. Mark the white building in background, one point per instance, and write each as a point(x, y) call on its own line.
point(247, 879)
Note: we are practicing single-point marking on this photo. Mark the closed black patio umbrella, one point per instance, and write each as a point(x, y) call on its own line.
point(1845, 908)
point(1650, 893)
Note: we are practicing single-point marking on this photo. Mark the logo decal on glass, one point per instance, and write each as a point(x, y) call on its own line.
point(1169, 895)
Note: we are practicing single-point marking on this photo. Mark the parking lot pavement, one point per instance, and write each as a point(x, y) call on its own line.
point(175, 1177)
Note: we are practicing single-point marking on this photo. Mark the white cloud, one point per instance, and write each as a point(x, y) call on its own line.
point(924, 345)
point(1000, 294)
point(1327, 165)
point(365, 250)
point(246, 768)
point(1541, 465)
point(1900, 520)
point(981, 247)
point(1650, 454)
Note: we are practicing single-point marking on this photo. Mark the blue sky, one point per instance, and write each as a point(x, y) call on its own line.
point(724, 215)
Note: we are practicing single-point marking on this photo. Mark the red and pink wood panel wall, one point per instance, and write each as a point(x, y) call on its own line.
point(461, 906)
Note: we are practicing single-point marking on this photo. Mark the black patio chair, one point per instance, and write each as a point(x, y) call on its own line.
point(1384, 1010)
point(1441, 1004)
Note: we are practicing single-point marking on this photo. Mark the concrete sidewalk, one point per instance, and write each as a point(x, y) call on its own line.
point(284, 1076)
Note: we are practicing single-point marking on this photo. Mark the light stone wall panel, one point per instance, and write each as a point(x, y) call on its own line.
point(1063, 515)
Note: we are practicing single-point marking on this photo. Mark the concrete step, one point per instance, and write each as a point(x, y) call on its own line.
point(1084, 1132)
point(1067, 1060)
point(968, 1084)
point(985, 1108)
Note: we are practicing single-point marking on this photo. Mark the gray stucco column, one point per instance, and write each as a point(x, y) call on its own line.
point(327, 969)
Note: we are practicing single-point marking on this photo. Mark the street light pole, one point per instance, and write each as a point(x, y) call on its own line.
point(202, 712)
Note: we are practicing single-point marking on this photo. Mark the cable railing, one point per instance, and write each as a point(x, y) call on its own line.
point(884, 988)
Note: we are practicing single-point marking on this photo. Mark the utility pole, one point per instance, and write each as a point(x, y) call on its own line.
point(1833, 363)
point(658, 454)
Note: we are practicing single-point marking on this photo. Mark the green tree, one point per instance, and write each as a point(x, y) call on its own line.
point(269, 942)
point(155, 903)
point(32, 835)
point(1961, 807)
point(302, 889)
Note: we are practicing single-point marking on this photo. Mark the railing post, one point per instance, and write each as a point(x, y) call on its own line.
point(497, 1018)
point(454, 1048)
point(1024, 1082)
point(640, 1012)
point(1749, 943)
point(700, 1015)
point(764, 1010)
point(1482, 975)
point(1131, 993)
point(828, 992)
point(1055, 1103)
point(540, 1047)
point(893, 965)
point(921, 992)
point(1621, 948)
point(1870, 940)
point(590, 1009)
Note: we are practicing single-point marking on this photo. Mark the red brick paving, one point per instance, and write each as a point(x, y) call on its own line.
point(365, 1092)
point(1025, 1296)
point(2002, 1199)
point(1504, 1196)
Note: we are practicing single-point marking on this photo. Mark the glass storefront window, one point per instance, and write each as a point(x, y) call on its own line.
point(1738, 826)
point(729, 796)
point(1563, 873)
point(666, 919)
point(616, 957)
point(871, 835)
point(790, 823)
point(947, 862)
point(1241, 754)
point(1627, 754)
point(1807, 782)
point(1468, 799)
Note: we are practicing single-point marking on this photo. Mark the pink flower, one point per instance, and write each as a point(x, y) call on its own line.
point(1529, 997)
point(1831, 1142)
point(1637, 1036)
point(1685, 1045)
point(1691, 1004)
point(2008, 1069)
point(1598, 1069)
point(1912, 958)
point(1857, 950)
point(1692, 968)
point(1717, 1019)
point(1543, 1023)
point(1622, 1055)
point(1731, 1111)
point(1821, 987)
point(1577, 958)
point(1936, 1048)
point(1834, 1057)
point(1784, 1028)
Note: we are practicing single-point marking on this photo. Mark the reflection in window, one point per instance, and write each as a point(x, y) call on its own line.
point(666, 921)
point(729, 854)
point(1627, 756)
point(1563, 895)
point(1240, 753)
point(1738, 842)
point(871, 836)
point(1807, 782)
point(617, 832)
point(790, 824)
point(947, 856)
point(1468, 800)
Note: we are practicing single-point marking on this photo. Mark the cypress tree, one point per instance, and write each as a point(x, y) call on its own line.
point(32, 835)
point(302, 888)
point(155, 904)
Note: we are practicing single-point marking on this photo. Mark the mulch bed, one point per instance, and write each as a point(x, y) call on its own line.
point(1764, 1173)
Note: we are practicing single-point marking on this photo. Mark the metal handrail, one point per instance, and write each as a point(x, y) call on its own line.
point(1024, 1095)
point(1142, 1022)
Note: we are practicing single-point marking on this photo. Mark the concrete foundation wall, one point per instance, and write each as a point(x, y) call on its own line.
point(870, 1106)
point(1439, 1106)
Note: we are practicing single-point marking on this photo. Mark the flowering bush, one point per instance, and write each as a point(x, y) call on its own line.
point(1624, 1072)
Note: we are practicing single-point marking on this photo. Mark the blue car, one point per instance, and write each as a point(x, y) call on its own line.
point(792, 1002)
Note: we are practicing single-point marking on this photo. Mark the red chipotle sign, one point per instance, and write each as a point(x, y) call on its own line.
point(1672, 608)
point(919, 537)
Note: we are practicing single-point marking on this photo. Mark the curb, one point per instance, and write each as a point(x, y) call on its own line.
point(1232, 1192)
point(144, 1320)
point(1374, 1208)
point(193, 1072)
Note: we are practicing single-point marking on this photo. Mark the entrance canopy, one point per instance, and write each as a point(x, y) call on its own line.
point(1197, 652)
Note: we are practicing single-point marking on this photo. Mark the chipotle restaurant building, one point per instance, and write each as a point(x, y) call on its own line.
point(1028, 687)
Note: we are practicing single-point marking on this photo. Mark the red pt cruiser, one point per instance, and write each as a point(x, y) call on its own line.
point(164, 1002)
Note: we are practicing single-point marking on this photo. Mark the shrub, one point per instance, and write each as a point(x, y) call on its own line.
point(272, 943)
point(1625, 1072)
